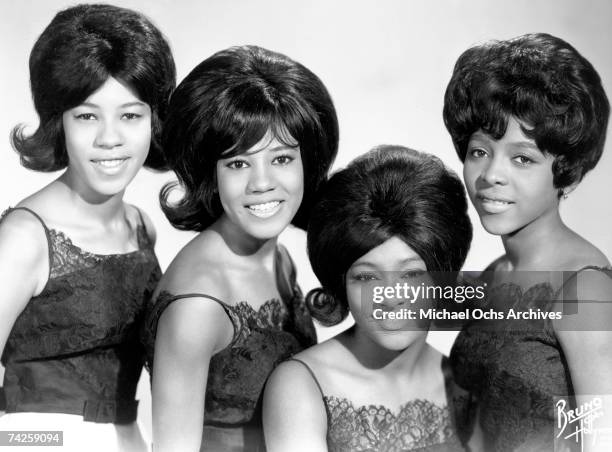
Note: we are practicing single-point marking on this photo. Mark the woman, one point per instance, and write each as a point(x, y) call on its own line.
point(528, 118)
point(77, 262)
point(391, 217)
point(251, 135)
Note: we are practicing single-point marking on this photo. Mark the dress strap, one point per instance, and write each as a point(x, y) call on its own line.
point(164, 299)
point(140, 218)
point(573, 275)
point(310, 372)
point(143, 234)
point(199, 295)
point(447, 373)
point(46, 229)
point(285, 274)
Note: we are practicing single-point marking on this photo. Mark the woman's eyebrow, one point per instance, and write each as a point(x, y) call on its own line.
point(526, 145)
point(284, 147)
point(136, 103)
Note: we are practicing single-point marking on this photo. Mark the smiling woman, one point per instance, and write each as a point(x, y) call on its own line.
point(390, 217)
point(268, 181)
point(76, 262)
point(251, 135)
point(510, 181)
point(528, 117)
point(107, 140)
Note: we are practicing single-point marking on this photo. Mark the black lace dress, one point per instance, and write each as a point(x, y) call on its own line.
point(420, 425)
point(262, 339)
point(508, 372)
point(75, 349)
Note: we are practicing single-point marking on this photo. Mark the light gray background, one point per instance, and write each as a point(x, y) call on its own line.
point(385, 63)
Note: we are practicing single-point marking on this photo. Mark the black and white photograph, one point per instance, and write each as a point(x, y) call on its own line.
point(338, 226)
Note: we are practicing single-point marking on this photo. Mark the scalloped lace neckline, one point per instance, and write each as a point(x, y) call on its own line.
point(366, 408)
point(63, 237)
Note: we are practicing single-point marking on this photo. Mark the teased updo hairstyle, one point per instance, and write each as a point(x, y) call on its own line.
point(390, 191)
point(225, 106)
point(78, 51)
point(543, 82)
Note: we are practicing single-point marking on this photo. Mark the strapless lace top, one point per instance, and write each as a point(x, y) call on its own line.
point(420, 425)
point(262, 339)
point(510, 371)
point(75, 347)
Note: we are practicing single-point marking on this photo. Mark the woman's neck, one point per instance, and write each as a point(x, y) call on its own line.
point(374, 356)
point(532, 247)
point(102, 209)
point(244, 245)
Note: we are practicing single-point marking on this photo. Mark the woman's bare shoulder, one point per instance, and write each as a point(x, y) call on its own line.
point(578, 253)
point(197, 268)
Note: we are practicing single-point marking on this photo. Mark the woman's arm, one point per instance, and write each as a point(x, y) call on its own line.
point(189, 332)
point(586, 338)
point(24, 266)
point(294, 416)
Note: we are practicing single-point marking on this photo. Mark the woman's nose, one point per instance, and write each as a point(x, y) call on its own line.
point(108, 135)
point(261, 178)
point(494, 171)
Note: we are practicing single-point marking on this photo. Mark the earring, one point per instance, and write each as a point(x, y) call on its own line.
point(565, 195)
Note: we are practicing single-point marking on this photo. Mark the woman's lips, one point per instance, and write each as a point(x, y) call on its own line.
point(493, 204)
point(264, 210)
point(110, 166)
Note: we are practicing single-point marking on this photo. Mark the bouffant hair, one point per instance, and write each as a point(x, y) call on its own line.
point(390, 191)
point(74, 56)
point(226, 105)
point(542, 81)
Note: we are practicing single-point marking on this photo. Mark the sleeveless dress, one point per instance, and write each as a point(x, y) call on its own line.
point(419, 426)
point(75, 348)
point(262, 339)
point(508, 372)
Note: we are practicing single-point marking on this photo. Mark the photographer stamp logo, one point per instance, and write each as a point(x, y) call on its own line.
point(578, 425)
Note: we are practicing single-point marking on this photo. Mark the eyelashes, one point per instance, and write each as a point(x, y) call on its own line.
point(374, 276)
point(523, 160)
point(129, 116)
point(519, 159)
point(279, 160)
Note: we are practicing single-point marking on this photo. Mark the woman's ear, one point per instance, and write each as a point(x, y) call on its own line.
point(565, 191)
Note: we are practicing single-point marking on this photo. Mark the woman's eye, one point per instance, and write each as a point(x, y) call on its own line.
point(365, 277)
point(410, 274)
point(523, 160)
point(86, 116)
point(477, 153)
point(236, 164)
point(283, 160)
point(131, 116)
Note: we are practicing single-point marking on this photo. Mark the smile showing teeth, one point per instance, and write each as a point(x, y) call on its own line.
point(264, 210)
point(110, 163)
point(492, 205)
point(495, 201)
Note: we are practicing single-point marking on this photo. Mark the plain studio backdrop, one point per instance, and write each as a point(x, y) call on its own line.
point(385, 63)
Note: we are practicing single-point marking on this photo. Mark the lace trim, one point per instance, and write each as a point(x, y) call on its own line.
point(68, 257)
point(536, 294)
point(419, 423)
point(512, 372)
point(271, 314)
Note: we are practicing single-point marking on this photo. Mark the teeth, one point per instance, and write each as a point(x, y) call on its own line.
point(495, 201)
point(264, 207)
point(109, 163)
point(264, 210)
